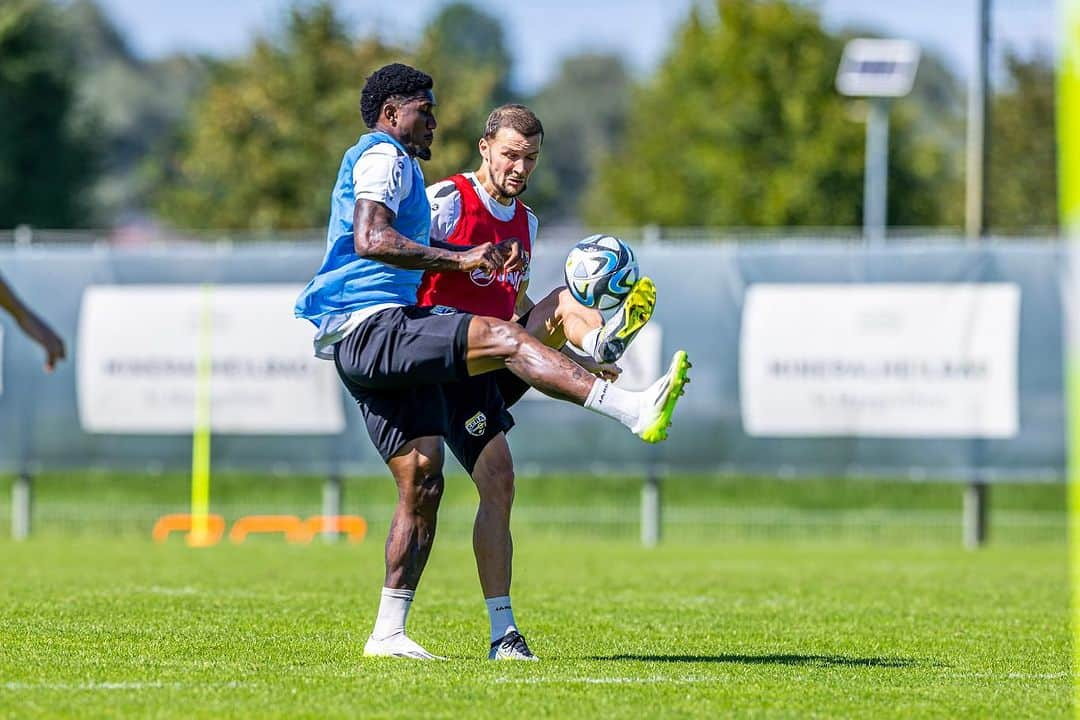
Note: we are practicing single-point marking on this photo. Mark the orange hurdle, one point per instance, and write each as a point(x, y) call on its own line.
point(354, 526)
point(295, 530)
point(290, 525)
point(182, 522)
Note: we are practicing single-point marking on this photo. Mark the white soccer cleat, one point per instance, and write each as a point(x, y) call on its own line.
point(511, 646)
point(658, 400)
point(399, 646)
point(621, 328)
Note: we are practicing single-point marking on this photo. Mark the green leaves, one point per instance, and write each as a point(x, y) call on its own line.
point(47, 155)
point(1023, 167)
point(264, 142)
point(742, 126)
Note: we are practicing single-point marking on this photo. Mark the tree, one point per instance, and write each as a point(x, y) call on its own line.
point(139, 106)
point(463, 49)
point(47, 156)
point(742, 126)
point(1022, 184)
point(584, 110)
point(266, 138)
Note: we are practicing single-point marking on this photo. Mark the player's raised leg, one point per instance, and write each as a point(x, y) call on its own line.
point(493, 344)
point(417, 470)
point(621, 328)
point(559, 318)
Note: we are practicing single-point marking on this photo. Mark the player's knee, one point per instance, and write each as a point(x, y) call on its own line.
point(430, 492)
point(506, 337)
point(564, 300)
point(428, 479)
point(419, 478)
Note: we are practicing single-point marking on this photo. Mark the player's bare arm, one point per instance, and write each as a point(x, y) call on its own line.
point(511, 249)
point(375, 238)
point(34, 327)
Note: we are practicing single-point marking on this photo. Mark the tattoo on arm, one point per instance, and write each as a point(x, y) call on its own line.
point(443, 245)
point(375, 238)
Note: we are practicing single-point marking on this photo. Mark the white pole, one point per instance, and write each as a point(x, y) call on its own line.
point(22, 506)
point(650, 509)
point(331, 505)
point(876, 177)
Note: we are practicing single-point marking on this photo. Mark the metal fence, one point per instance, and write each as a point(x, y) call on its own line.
point(703, 289)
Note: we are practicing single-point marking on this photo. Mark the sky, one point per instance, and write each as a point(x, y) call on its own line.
point(541, 32)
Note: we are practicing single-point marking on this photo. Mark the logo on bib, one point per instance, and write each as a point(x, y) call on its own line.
point(476, 425)
point(482, 278)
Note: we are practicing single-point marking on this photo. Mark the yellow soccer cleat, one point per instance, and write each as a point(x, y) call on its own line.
point(659, 400)
point(619, 331)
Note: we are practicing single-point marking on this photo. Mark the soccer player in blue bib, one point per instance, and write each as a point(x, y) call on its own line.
point(395, 357)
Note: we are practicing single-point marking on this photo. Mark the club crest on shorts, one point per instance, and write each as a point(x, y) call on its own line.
point(476, 425)
point(442, 310)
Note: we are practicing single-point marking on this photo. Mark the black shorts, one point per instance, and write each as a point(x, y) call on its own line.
point(510, 385)
point(478, 410)
point(396, 364)
point(477, 414)
point(403, 347)
point(406, 369)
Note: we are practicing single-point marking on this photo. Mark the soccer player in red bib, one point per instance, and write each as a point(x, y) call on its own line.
point(470, 209)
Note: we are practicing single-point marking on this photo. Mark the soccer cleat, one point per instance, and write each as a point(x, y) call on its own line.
point(399, 646)
point(511, 646)
point(658, 400)
point(619, 331)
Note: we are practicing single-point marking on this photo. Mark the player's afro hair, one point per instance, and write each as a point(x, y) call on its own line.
point(389, 81)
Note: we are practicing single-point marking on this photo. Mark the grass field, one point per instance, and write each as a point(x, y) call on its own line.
point(114, 626)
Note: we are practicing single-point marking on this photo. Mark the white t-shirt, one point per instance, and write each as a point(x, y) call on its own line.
point(446, 208)
point(384, 175)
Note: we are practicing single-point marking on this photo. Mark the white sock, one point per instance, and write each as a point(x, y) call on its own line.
point(393, 609)
point(589, 343)
point(608, 400)
point(502, 616)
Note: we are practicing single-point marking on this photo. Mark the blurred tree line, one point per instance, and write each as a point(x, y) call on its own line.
point(739, 125)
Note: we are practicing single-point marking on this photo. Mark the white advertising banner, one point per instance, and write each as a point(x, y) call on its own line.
point(640, 364)
point(138, 348)
point(905, 360)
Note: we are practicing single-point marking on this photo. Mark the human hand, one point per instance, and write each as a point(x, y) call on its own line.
point(46, 337)
point(487, 257)
point(513, 251)
point(604, 371)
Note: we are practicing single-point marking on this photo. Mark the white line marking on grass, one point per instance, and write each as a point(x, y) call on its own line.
point(159, 590)
point(1016, 675)
point(609, 680)
point(112, 686)
point(91, 686)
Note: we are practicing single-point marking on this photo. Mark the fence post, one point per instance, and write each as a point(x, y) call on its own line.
point(650, 503)
point(975, 513)
point(331, 505)
point(22, 506)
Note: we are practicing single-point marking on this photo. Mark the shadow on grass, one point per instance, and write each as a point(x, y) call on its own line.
point(785, 659)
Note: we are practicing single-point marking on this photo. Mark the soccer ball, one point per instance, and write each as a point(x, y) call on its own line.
point(600, 270)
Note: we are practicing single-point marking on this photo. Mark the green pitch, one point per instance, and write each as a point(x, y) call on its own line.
point(117, 627)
